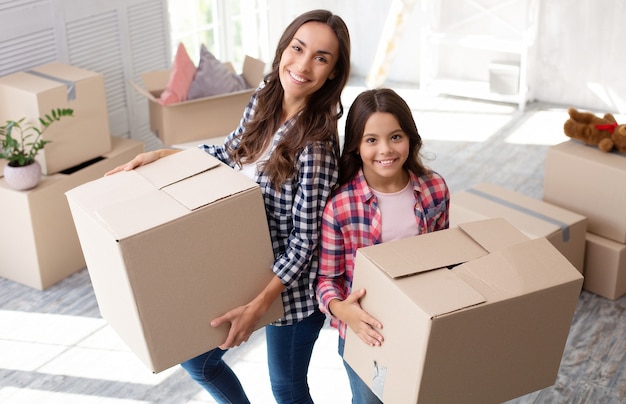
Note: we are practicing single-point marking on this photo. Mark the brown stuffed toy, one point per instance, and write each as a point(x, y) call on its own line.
point(603, 132)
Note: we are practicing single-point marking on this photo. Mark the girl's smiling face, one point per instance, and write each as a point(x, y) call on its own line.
point(308, 61)
point(384, 149)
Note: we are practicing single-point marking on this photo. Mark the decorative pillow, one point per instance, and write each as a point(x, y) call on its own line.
point(213, 78)
point(181, 76)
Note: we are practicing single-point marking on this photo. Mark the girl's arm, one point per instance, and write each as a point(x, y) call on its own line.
point(360, 322)
point(334, 282)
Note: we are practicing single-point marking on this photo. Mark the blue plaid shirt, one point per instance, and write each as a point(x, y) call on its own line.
point(293, 214)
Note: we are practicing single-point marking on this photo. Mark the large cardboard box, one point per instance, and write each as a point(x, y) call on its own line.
point(200, 118)
point(587, 181)
point(40, 246)
point(34, 93)
point(605, 267)
point(535, 218)
point(170, 246)
point(472, 314)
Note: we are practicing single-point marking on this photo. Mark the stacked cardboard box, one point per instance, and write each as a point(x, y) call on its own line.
point(170, 246)
point(535, 218)
point(472, 314)
point(34, 93)
point(40, 246)
point(585, 180)
point(201, 118)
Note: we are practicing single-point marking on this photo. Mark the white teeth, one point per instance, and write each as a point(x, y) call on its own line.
point(297, 78)
point(385, 162)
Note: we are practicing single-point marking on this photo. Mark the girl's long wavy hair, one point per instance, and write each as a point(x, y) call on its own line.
point(317, 122)
point(364, 105)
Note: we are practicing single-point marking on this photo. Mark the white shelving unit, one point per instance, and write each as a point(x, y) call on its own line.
point(478, 48)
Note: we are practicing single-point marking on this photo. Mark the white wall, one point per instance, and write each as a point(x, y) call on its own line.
point(581, 54)
point(119, 38)
point(577, 59)
point(578, 56)
point(365, 20)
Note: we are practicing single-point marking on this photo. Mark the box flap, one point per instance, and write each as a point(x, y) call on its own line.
point(131, 202)
point(143, 91)
point(518, 269)
point(177, 167)
point(440, 292)
point(209, 187)
point(150, 209)
point(444, 248)
point(253, 71)
point(493, 234)
point(156, 81)
point(434, 250)
point(125, 203)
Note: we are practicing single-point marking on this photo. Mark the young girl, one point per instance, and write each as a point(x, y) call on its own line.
point(287, 142)
point(385, 193)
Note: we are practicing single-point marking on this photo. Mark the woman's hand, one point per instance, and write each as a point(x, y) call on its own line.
point(243, 321)
point(142, 159)
point(350, 312)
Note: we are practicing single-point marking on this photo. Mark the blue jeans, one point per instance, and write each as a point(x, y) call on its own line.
point(216, 377)
point(361, 393)
point(289, 350)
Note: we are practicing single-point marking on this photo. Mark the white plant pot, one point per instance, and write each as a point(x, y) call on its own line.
point(24, 177)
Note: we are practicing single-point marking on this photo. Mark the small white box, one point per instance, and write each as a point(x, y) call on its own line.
point(504, 78)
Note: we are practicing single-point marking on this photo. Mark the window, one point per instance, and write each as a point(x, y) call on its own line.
point(230, 29)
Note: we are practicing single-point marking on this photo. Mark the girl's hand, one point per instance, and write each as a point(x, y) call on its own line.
point(350, 312)
point(142, 159)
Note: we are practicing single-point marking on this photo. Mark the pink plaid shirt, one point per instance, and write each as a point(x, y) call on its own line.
point(351, 220)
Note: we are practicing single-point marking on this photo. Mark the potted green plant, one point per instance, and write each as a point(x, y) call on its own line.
point(20, 141)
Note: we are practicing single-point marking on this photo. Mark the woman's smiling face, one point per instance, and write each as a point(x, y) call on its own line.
point(308, 61)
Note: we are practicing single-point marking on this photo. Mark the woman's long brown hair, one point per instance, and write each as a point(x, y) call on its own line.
point(318, 120)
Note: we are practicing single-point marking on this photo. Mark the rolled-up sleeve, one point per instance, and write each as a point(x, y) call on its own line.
point(331, 274)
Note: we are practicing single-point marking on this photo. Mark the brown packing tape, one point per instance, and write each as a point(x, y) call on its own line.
point(564, 226)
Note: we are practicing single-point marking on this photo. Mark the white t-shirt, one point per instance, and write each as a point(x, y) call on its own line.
point(397, 211)
point(250, 169)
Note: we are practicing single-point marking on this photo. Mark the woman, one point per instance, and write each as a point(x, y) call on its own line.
point(287, 142)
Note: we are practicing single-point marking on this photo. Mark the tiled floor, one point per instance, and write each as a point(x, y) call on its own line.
point(80, 359)
point(55, 348)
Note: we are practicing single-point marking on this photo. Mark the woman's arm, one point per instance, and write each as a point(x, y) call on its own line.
point(315, 180)
point(317, 175)
point(243, 319)
point(143, 159)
